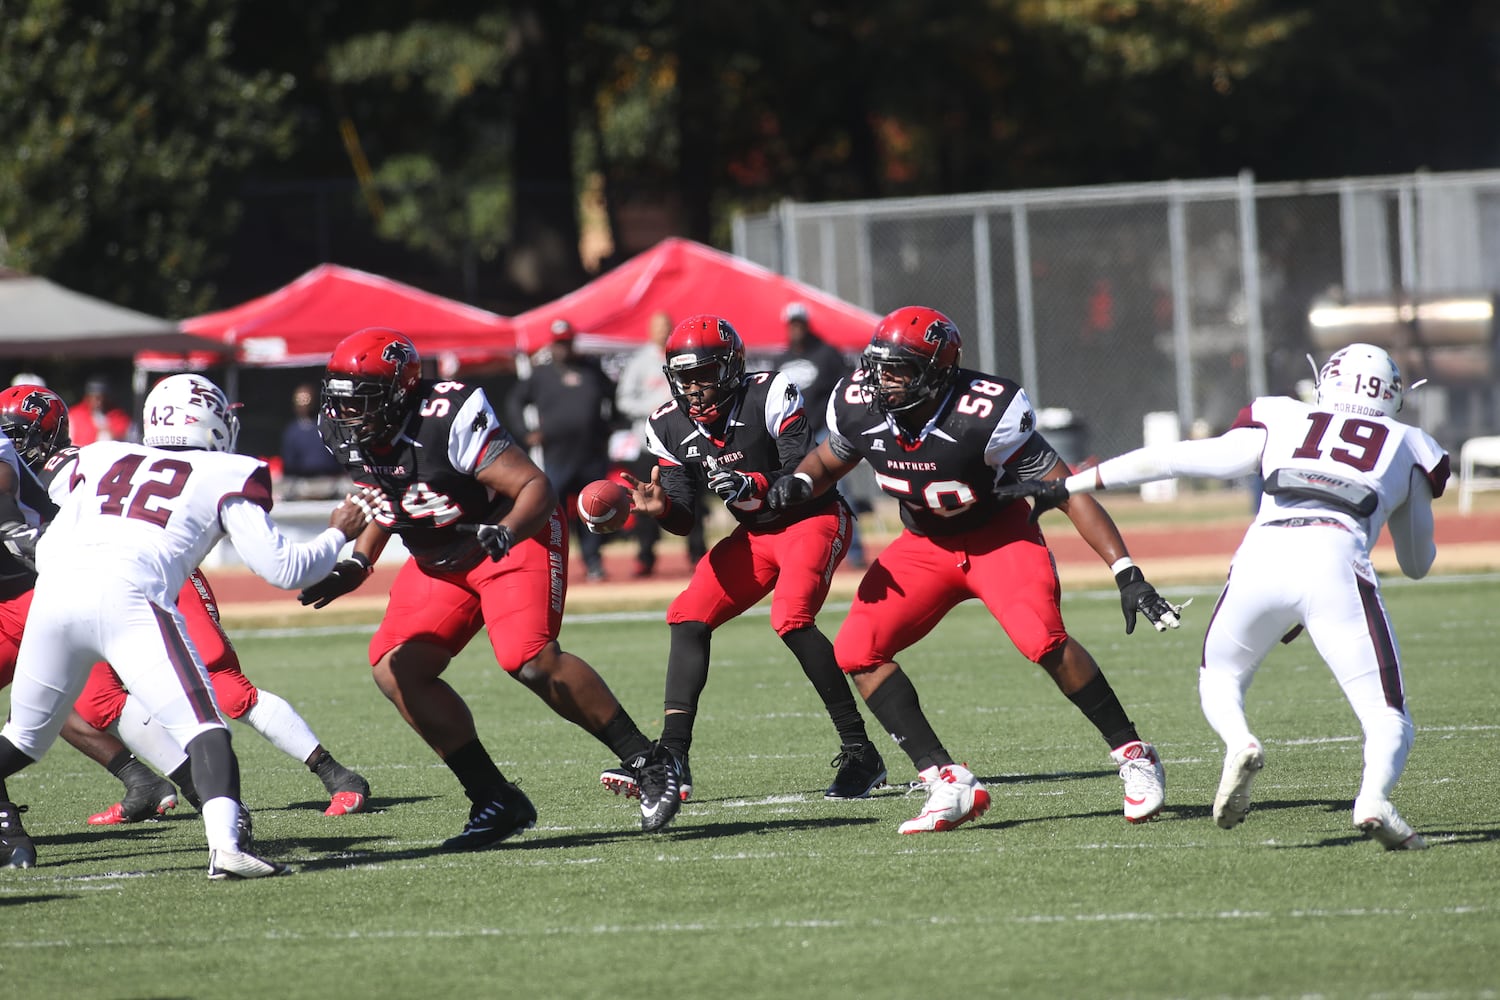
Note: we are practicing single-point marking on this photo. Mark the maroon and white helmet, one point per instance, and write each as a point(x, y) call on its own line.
point(36, 420)
point(911, 358)
point(189, 411)
point(1363, 379)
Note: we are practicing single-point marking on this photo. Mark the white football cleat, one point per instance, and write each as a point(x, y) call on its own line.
point(1145, 780)
point(1378, 819)
point(1232, 801)
point(954, 796)
point(242, 864)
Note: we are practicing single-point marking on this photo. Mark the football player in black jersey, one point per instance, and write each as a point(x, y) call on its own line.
point(940, 438)
point(489, 547)
point(736, 434)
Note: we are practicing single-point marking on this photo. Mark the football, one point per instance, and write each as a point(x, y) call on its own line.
point(604, 506)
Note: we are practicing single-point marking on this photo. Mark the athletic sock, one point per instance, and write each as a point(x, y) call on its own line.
point(1097, 701)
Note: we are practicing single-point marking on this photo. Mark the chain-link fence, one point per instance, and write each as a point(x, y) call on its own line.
point(1193, 296)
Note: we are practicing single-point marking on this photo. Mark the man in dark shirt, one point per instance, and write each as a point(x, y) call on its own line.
point(574, 401)
point(309, 470)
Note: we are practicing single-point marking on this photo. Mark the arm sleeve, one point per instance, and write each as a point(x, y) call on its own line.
point(1235, 453)
point(682, 490)
point(273, 556)
point(786, 420)
point(1411, 528)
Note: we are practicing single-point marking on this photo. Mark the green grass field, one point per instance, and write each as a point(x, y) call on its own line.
point(764, 889)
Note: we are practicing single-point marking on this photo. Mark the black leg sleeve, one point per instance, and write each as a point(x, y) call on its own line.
point(216, 771)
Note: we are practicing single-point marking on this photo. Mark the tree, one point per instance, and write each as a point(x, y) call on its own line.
point(125, 132)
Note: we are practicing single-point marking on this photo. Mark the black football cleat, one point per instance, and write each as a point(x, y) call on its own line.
point(860, 772)
point(508, 813)
point(16, 848)
point(624, 780)
point(660, 783)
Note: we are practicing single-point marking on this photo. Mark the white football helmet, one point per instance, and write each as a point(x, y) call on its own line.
point(189, 411)
point(1361, 379)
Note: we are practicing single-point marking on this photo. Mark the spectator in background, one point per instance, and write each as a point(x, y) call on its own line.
point(96, 417)
point(574, 402)
point(643, 388)
point(816, 366)
point(309, 470)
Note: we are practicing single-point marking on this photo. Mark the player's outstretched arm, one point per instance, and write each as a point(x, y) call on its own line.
point(282, 562)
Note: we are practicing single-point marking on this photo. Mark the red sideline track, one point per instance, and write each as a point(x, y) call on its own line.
point(1200, 552)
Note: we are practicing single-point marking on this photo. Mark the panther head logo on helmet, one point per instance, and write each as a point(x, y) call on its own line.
point(705, 365)
point(911, 359)
point(36, 419)
point(369, 386)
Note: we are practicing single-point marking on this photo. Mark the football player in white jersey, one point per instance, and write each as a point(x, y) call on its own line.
point(138, 520)
point(34, 419)
point(1335, 471)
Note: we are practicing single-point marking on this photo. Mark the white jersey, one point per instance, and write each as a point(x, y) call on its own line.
point(1378, 454)
point(1378, 460)
point(150, 515)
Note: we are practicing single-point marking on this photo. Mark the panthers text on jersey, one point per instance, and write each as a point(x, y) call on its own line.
point(766, 434)
point(427, 474)
point(982, 432)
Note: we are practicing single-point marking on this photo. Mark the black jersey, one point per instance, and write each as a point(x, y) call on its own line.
point(15, 576)
point(765, 435)
point(427, 476)
point(982, 433)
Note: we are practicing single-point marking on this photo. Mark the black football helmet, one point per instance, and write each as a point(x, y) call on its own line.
point(911, 358)
point(369, 386)
point(705, 365)
point(36, 420)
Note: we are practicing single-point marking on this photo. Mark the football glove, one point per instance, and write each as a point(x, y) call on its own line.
point(19, 539)
point(731, 485)
point(1136, 595)
point(346, 576)
point(789, 491)
point(495, 539)
point(1044, 494)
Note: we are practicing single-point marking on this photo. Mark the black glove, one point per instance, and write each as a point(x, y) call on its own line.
point(1044, 494)
point(1138, 595)
point(347, 575)
point(731, 485)
point(495, 539)
point(789, 491)
point(19, 539)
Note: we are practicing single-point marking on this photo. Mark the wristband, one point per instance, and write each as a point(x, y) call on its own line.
point(363, 560)
point(804, 477)
point(1121, 565)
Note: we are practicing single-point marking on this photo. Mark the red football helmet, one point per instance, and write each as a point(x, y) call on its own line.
point(911, 358)
point(369, 386)
point(36, 419)
point(705, 365)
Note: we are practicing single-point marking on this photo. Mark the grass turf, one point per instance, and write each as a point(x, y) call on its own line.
point(762, 888)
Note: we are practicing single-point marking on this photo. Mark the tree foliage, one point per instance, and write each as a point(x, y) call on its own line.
point(126, 135)
point(464, 131)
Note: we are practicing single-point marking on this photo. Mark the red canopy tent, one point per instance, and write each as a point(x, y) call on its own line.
point(681, 277)
point(299, 325)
